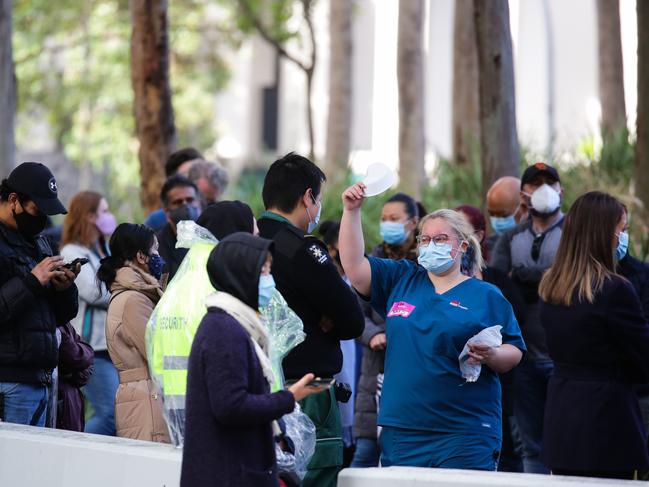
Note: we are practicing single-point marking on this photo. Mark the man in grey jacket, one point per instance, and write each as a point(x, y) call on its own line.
point(525, 252)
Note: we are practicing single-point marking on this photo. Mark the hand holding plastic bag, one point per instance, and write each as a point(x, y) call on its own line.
point(490, 337)
point(300, 430)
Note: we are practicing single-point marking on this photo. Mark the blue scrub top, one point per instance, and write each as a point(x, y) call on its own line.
point(423, 387)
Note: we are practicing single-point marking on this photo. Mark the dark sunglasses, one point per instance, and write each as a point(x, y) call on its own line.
point(536, 246)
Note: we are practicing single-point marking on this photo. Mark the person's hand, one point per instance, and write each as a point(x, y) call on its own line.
point(302, 389)
point(47, 269)
point(63, 282)
point(378, 342)
point(353, 197)
point(481, 354)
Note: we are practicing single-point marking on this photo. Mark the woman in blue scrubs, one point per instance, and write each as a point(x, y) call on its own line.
point(430, 416)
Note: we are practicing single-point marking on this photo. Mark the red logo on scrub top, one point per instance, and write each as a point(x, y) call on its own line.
point(457, 304)
point(401, 308)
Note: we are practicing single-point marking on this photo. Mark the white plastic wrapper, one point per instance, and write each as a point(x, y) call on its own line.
point(301, 431)
point(285, 330)
point(189, 232)
point(490, 337)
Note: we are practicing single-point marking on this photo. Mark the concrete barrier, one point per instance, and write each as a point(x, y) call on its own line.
point(42, 457)
point(429, 477)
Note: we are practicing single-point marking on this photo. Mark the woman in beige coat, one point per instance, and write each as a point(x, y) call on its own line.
point(132, 273)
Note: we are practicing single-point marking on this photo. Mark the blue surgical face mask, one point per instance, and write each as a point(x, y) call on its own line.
point(314, 223)
point(393, 233)
point(501, 224)
point(156, 264)
point(266, 289)
point(622, 246)
point(436, 258)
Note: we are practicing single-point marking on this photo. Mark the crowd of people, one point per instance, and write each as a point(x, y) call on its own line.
point(446, 346)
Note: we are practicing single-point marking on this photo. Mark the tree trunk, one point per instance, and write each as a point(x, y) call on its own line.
point(611, 75)
point(154, 121)
point(340, 89)
point(410, 77)
point(642, 120)
point(309, 112)
point(498, 137)
point(7, 92)
point(466, 97)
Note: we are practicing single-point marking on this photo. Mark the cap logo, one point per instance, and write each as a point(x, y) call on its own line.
point(540, 166)
point(52, 185)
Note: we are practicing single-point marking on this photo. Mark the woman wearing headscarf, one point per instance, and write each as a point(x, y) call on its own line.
point(230, 413)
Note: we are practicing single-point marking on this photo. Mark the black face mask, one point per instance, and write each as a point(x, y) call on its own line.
point(184, 212)
point(29, 225)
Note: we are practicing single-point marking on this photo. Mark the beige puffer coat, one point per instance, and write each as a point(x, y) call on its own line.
point(138, 407)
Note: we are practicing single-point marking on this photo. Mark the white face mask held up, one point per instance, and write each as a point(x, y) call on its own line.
point(491, 337)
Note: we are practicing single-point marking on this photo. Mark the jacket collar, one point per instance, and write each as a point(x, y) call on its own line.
point(132, 278)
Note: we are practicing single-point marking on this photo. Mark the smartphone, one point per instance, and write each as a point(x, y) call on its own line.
point(320, 382)
point(72, 265)
point(317, 382)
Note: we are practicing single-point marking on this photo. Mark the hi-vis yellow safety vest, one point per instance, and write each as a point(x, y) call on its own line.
point(173, 324)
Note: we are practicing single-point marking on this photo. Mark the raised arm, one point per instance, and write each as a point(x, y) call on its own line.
point(350, 240)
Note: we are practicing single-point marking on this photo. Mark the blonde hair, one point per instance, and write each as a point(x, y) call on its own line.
point(463, 231)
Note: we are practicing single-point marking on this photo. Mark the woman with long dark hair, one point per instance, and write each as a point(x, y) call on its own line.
point(132, 273)
point(598, 338)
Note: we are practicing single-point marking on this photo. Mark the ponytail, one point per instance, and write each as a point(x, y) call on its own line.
point(108, 271)
point(127, 240)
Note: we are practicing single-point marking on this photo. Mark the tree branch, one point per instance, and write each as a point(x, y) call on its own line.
point(306, 6)
point(263, 32)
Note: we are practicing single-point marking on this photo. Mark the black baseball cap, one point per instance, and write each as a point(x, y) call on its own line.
point(37, 182)
point(537, 169)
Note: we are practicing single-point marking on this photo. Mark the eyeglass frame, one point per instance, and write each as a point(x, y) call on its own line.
point(432, 239)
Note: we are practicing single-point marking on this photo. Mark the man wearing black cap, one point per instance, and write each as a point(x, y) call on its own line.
point(36, 294)
point(526, 252)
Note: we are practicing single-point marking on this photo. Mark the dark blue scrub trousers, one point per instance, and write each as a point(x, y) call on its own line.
point(412, 448)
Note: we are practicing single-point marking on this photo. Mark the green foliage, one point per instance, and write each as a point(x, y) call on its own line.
point(275, 17)
point(72, 66)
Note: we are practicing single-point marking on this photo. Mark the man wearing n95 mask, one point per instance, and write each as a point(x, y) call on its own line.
point(526, 252)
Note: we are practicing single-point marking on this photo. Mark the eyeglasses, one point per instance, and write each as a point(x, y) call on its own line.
point(439, 240)
point(536, 246)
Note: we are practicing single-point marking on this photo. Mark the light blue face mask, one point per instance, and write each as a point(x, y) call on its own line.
point(393, 233)
point(314, 223)
point(501, 224)
point(622, 246)
point(266, 289)
point(436, 258)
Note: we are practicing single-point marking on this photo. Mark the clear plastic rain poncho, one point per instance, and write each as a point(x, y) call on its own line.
point(286, 331)
point(173, 323)
point(171, 330)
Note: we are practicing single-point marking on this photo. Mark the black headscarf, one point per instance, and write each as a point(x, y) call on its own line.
point(227, 217)
point(235, 264)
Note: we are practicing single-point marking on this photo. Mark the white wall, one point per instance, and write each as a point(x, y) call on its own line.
point(428, 477)
point(41, 457)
